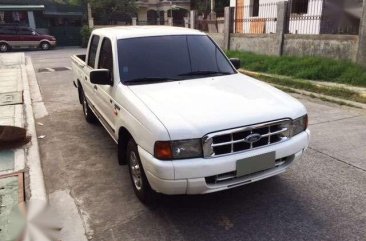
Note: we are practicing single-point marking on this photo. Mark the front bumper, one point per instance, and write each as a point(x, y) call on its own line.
point(53, 43)
point(190, 176)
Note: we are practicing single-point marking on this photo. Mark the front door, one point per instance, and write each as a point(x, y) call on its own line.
point(27, 38)
point(106, 103)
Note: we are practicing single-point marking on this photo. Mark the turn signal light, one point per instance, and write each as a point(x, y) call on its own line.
point(163, 150)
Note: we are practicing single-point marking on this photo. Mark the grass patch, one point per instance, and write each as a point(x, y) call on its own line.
point(311, 68)
point(308, 86)
point(338, 102)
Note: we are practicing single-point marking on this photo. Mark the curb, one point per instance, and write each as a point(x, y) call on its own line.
point(36, 180)
point(308, 93)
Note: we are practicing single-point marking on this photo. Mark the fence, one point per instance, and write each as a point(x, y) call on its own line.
point(303, 17)
point(256, 18)
point(206, 25)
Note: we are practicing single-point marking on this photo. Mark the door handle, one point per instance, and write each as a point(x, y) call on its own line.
point(95, 87)
point(86, 78)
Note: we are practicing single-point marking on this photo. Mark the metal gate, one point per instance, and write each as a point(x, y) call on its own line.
point(66, 35)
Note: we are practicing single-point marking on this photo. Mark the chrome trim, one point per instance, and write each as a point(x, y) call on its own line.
point(208, 145)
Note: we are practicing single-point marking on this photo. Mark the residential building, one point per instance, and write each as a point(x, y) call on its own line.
point(305, 16)
point(46, 16)
point(159, 11)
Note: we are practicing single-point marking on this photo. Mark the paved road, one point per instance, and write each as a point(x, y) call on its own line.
point(322, 197)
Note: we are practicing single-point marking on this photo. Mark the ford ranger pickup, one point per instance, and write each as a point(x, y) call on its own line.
point(184, 119)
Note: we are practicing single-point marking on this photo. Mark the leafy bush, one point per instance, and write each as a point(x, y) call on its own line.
point(85, 35)
point(311, 68)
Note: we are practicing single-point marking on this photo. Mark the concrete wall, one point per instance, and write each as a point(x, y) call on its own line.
point(218, 38)
point(266, 44)
point(324, 45)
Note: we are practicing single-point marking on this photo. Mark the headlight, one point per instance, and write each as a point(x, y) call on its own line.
point(167, 150)
point(299, 125)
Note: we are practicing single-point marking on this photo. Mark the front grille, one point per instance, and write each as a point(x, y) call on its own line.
point(245, 138)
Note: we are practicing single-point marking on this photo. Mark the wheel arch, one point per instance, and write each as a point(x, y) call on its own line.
point(5, 42)
point(124, 135)
point(80, 89)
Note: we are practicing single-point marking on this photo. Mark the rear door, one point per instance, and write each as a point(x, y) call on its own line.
point(8, 34)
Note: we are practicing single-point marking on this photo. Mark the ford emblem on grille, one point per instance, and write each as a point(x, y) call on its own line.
point(253, 138)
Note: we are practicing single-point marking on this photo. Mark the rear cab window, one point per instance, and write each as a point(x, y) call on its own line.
point(93, 51)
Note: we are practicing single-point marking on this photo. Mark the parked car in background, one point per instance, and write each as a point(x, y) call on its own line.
point(185, 120)
point(15, 36)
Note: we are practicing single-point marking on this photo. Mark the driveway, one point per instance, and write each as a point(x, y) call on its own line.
point(322, 197)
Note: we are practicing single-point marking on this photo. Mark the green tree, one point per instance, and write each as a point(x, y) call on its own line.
point(110, 11)
point(203, 6)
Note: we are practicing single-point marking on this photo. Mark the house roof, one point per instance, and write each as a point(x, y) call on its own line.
point(22, 7)
point(52, 6)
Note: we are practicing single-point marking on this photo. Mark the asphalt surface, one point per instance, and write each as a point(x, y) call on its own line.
point(322, 197)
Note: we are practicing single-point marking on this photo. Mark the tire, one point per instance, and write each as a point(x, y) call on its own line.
point(4, 47)
point(139, 181)
point(45, 46)
point(88, 113)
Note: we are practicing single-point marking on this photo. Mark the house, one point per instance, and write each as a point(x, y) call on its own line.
point(160, 11)
point(304, 16)
point(62, 20)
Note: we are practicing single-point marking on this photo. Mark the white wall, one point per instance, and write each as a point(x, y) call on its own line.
point(268, 10)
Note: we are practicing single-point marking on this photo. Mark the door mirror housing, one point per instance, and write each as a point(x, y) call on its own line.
point(235, 62)
point(101, 77)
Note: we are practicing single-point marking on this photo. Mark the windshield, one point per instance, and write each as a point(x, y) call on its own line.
point(169, 58)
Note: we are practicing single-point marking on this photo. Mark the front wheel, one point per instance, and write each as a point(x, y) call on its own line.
point(45, 46)
point(139, 180)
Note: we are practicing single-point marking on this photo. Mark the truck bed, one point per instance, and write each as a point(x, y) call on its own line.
point(78, 64)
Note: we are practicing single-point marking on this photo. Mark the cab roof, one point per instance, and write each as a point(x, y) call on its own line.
point(124, 32)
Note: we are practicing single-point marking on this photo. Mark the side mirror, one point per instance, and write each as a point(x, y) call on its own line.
point(235, 62)
point(101, 77)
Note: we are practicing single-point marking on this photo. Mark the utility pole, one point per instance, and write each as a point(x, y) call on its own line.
point(212, 15)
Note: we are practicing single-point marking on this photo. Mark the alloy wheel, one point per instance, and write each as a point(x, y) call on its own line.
point(135, 171)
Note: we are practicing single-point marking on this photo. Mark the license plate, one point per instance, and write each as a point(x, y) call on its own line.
point(255, 164)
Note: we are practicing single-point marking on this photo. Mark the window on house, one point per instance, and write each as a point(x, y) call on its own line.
point(299, 6)
point(255, 8)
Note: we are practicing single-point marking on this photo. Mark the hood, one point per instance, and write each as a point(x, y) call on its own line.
point(194, 108)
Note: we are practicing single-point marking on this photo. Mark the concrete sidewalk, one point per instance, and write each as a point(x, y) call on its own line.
point(19, 168)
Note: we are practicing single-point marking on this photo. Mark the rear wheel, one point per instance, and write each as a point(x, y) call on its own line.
point(139, 180)
point(45, 46)
point(88, 113)
point(4, 47)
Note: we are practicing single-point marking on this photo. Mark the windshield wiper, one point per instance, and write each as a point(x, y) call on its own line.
point(150, 80)
point(204, 73)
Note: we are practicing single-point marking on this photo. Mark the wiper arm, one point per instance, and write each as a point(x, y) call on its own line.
point(150, 80)
point(204, 73)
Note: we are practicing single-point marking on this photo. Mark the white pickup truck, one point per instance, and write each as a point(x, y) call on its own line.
point(185, 121)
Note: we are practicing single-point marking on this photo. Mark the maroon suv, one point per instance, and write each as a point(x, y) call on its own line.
point(23, 37)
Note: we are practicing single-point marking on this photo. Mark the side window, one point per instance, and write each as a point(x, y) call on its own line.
point(105, 56)
point(24, 31)
point(8, 30)
point(93, 50)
